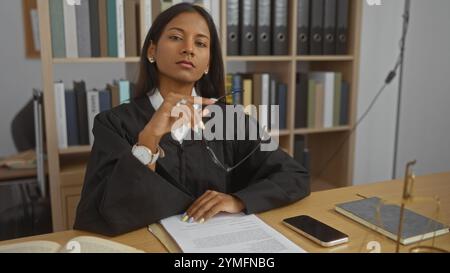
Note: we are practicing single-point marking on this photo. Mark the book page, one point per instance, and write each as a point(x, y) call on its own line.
point(89, 244)
point(161, 234)
point(24, 160)
point(31, 247)
point(228, 233)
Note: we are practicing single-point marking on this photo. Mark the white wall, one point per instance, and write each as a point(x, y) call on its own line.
point(425, 118)
point(424, 125)
point(18, 76)
point(381, 29)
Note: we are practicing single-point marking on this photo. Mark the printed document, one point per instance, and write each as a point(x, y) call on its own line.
point(228, 233)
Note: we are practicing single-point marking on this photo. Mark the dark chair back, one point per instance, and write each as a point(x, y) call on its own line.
point(22, 128)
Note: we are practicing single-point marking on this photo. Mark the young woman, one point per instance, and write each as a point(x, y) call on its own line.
point(139, 172)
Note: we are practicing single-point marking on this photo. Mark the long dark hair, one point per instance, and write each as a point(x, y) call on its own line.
point(211, 85)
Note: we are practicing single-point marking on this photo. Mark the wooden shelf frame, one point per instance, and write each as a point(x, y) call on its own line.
point(322, 141)
point(95, 60)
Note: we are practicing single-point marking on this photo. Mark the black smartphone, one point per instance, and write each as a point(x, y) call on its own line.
point(316, 231)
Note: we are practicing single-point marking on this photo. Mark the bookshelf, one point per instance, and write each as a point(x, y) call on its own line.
point(67, 166)
point(31, 51)
point(95, 60)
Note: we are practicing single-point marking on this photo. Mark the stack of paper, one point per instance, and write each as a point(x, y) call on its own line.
point(227, 233)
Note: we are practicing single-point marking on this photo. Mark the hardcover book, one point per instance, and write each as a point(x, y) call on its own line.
point(385, 218)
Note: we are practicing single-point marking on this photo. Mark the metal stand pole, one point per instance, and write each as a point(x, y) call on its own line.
point(406, 16)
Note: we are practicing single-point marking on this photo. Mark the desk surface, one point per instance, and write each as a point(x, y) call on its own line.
point(9, 174)
point(321, 206)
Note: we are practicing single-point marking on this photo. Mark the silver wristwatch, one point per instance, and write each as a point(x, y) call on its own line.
point(145, 155)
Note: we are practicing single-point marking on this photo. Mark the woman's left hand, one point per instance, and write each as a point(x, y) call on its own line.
point(212, 203)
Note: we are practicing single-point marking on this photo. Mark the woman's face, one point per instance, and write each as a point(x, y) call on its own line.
point(182, 53)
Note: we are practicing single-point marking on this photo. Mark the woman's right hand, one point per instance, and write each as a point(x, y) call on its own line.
point(162, 121)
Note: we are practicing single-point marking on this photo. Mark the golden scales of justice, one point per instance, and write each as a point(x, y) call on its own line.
point(408, 197)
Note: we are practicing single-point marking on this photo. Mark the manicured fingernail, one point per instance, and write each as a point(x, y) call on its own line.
point(185, 218)
point(201, 221)
point(202, 125)
point(191, 220)
point(206, 112)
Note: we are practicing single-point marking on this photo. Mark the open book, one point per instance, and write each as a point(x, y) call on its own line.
point(383, 218)
point(24, 160)
point(81, 244)
point(225, 233)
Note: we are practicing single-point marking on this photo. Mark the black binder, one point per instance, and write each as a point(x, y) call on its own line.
point(280, 27)
point(329, 27)
point(342, 27)
point(233, 27)
point(264, 31)
point(301, 100)
point(95, 28)
point(303, 27)
point(316, 32)
point(83, 128)
point(248, 27)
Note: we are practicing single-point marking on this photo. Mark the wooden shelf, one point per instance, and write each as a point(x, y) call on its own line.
point(321, 185)
point(308, 131)
point(326, 58)
point(258, 58)
point(280, 133)
point(228, 59)
point(75, 150)
point(95, 60)
point(74, 168)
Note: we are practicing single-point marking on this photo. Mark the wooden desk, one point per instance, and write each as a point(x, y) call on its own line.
point(321, 206)
point(10, 175)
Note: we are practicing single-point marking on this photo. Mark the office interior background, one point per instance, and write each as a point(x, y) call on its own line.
point(425, 112)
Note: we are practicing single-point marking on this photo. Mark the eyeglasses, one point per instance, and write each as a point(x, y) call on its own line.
point(231, 93)
point(213, 155)
point(223, 166)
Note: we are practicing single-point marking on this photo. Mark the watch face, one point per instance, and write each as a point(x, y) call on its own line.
point(142, 154)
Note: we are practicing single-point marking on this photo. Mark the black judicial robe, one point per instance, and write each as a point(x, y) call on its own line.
point(120, 194)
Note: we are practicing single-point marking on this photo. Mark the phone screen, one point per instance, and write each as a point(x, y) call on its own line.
point(315, 228)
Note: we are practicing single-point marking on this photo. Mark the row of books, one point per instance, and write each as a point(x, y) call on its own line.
point(260, 89)
point(322, 27)
point(106, 28)
point(76, 109)
point(322, 100)
point(95, 28)
point(257, 27)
